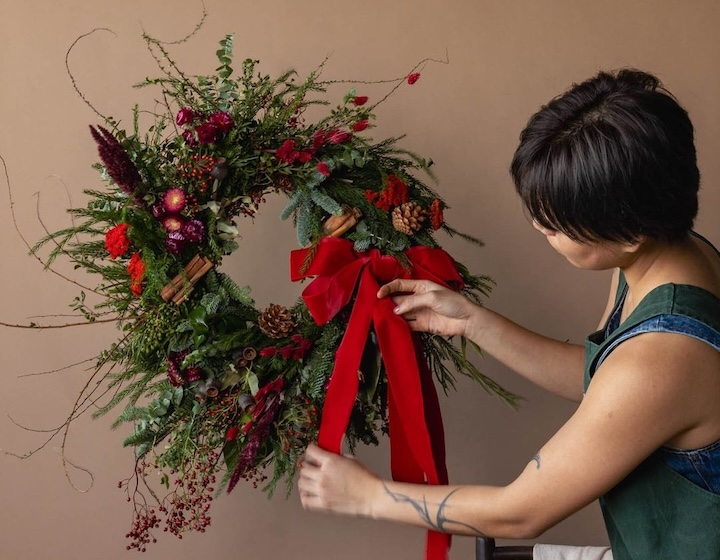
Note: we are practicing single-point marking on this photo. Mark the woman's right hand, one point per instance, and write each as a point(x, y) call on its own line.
point(429, 307)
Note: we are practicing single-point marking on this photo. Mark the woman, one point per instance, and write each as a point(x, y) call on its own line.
point(608, 174)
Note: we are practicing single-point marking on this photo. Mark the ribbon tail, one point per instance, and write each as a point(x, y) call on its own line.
point(344, 380)
point(414, 410)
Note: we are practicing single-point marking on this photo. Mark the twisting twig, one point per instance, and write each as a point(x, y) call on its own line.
point(57, 370)
point(72, 77)
point(22, 237)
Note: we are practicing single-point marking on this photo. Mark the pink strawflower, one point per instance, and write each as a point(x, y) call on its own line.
point(412, 78)
point(173, 223)
point(174, 201)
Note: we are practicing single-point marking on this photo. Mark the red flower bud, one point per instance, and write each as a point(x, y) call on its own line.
point(412, 78)
point(360, 100)
point(360, 125)
point(232, 433)
point(338, 136)
point(323, 168)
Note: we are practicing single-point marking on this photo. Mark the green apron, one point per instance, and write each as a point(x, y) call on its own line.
point(656, 513)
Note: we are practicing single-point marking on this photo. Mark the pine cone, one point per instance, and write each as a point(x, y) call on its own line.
point(276, 321)
point(408, 217)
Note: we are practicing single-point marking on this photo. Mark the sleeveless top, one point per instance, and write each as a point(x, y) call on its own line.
point(668, 508)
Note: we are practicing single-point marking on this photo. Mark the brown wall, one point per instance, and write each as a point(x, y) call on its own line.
point(506, 58)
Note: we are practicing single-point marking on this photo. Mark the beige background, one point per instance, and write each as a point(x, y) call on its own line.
point(506, 58)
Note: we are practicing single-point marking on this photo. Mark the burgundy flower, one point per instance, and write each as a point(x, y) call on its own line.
point(174, 201)
point(173, 373)
point(360, 125)
point(360, 100)
point(194, 231)
point(189, 137)
point(175, 242)
point(338, 136)
point(222, 121)
point(412, 78)
point(323, 168)
point(185, 116)
point(192, 374)
point(117, 162)
point(207, 133)
point(158, 211)
point(173, 223)
point(232, 433)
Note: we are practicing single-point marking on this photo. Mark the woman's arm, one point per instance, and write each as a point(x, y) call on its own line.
point(551, 364)
point(614, 429)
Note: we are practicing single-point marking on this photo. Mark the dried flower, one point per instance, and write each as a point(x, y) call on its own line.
point(412, 78)
point(174, 201)
point(232, 433)
point(194, 231)
point(173, 223)
point(360, 100)
point(360, 125)
point(116, 241)
point(116, 160)
point(175, 242)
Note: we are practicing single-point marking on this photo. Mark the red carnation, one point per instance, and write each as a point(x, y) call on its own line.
point(360, 125)
point(360, 100)
point(412, 78)
point(116, 241)
point(136, 269)
point(323, 168)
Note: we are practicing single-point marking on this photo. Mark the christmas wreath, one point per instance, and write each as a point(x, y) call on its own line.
point(215, 389)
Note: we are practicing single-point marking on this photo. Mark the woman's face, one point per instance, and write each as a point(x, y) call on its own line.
point(598, 255)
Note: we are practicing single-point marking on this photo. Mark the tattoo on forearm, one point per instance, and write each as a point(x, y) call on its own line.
point(537, 460)
point(440, 522)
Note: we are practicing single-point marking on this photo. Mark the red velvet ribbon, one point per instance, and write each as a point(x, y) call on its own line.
point(417, 442)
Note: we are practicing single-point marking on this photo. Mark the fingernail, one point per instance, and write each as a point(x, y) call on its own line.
point(396, 310)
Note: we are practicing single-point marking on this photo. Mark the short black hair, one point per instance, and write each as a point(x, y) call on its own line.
point(611, 159)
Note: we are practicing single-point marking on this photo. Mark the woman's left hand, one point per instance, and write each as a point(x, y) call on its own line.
point(337, 484)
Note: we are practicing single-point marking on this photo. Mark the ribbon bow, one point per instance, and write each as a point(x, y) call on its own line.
point(417, 444)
